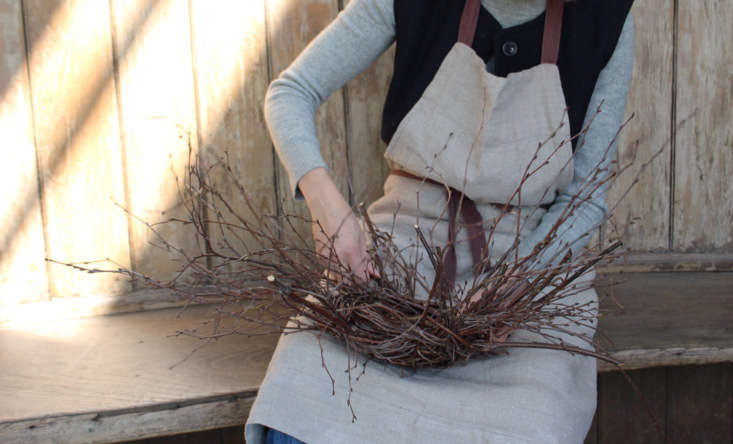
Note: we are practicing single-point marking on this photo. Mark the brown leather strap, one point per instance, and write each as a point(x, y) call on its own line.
point(469, 20)
point(553, 31)
point(550, 39)
point(472, 221)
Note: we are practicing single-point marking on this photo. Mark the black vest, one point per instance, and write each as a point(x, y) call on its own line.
point(427, 29)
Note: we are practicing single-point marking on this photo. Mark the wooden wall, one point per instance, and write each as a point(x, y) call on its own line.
point(100, 102)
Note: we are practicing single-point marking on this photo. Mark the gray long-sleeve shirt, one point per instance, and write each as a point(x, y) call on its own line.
point(364, 30)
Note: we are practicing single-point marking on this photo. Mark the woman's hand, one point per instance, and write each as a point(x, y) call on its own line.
point(332, 217)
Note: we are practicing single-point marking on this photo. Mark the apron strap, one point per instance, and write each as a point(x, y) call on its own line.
point(553, 31)
point(473, 222)
point(469, 21)
point(550, 37)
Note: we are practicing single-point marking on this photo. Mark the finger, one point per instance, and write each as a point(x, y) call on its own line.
point(372, 270)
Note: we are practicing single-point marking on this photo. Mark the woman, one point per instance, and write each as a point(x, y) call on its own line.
point(465, 76)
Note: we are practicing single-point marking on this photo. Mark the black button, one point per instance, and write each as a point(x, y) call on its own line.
point(510, 48)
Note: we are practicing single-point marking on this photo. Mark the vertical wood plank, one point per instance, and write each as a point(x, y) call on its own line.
point(22, 251)
point(592, 436)
point(232, 435)
point(704, 190)
point(365, 99)
point(292, 24)
point(622, 413)
point(152, 45)
point(700, 404)
point(230, 50)
point(78, 141)
point(642, 219)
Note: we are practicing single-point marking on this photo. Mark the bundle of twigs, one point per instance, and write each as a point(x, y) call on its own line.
point(260, 265)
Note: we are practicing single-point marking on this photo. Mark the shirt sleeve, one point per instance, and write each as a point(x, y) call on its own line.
point(352, 42)
point(593, 155)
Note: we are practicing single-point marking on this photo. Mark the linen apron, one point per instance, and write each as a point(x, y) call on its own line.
point(477, 134)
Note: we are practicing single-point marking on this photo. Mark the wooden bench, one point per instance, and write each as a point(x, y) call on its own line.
point(124, 377)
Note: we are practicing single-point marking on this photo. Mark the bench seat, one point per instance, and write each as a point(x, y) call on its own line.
point(128, 376)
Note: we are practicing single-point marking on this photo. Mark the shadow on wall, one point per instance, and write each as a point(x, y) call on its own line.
point(113, 95)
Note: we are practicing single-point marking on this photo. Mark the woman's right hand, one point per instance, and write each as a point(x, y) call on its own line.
point(333, 218)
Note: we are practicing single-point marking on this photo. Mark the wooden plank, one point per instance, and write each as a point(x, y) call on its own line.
point(114, 426)
point(365, 99)
point(78, 141)
point(231, 68)
point(592, 437)
point(62, 309)
point(623, 413)
point(666, 318)
point(700, 404)
point(207, 437)
point(292, 24)
point(704, 190)
point(669, 356)
point(642, 218)
point(666, 262)
point(112, 366)
point(156, 93)
point(233, 435)
point(22, 251)
point(229, 435)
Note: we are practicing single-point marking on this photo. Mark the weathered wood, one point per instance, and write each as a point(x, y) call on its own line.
point(292, 24)
point(78, 141)
point(229, 435)
point(61, 309)
point(22, 265)
point(124, 364)
point(592, 437)
point(670, 356)
point(700, 404)
point(127, 378)
point(642, 218)
point(704, 159)
point(666, 318)
point(123, 377)
point(207, 437)
point(623, 413)
point(152, 48)
point(233, 435)
point(113, 426)
point(230, 51)
point(667, 262)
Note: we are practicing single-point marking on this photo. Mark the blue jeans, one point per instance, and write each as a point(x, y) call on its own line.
point(276, 437)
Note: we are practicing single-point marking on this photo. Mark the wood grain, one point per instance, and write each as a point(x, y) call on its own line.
point(642, 219)
point(623, 413)
point(677, 312)
point(117, 363)
point(152, 46)
point(704, 190)
point(78, 141)
point(292, 25)
point(700, 404)
point(22, 250)
point(592, 436)
point(230, 49)
point(679, 262)
point(114, 426)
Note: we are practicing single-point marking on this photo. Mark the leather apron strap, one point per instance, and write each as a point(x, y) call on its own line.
point(550, 37)
point(473, 222)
